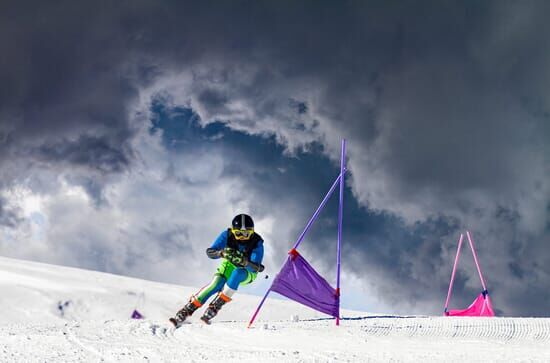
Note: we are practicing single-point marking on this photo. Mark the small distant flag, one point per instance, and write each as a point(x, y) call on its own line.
point(137, 315)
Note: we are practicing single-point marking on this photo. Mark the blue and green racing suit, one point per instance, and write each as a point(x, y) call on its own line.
point(227, 273)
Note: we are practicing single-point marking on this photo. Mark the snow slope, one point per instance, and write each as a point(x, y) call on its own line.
point(94, 326)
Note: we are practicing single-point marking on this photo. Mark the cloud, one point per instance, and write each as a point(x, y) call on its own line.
point(444, 106)
point(8, 216)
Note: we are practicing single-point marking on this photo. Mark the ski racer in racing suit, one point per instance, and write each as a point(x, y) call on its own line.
point(241, 250)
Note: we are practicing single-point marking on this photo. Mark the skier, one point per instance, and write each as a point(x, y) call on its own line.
point(241, 249)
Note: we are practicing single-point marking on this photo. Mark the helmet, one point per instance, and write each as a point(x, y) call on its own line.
point(242, 227)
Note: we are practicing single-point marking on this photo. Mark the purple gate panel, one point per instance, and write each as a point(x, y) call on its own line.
point(300, 282)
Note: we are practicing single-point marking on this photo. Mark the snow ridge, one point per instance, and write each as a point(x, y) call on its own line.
point(499, 329)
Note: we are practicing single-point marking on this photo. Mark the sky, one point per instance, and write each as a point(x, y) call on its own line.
point(131, 133)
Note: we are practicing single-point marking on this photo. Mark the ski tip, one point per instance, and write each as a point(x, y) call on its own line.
point(206, 321)
point(175, 323)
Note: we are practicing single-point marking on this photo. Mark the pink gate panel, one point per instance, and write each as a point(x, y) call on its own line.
point(480, 307)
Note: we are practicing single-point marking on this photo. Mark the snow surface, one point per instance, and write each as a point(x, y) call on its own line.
point(94, 326)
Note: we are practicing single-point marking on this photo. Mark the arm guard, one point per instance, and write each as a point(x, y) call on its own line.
point(213, 253)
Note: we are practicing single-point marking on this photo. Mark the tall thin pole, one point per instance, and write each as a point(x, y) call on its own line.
point(340, 215)
point(259, 307)
point(476, 260)
point(453, 273)
point(316, 214)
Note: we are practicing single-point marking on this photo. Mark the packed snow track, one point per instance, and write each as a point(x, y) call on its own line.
point(359, 339)
point(59, 314)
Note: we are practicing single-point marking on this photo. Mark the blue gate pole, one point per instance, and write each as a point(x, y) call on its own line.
point(340, 217)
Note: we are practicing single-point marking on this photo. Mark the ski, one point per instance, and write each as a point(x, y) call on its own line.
point(177, 324)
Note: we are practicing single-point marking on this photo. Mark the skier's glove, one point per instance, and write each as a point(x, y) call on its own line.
point(227, 252)
point(236, 257)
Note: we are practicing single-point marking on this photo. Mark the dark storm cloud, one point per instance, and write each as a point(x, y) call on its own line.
point(86, 151)
point(8, 216)
point(65, 89)
point(445, 105)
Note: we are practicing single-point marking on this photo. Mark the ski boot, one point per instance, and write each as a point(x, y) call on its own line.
point(214, 307)
point(186, 311)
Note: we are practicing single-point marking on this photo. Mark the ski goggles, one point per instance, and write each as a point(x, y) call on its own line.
point(241, 234)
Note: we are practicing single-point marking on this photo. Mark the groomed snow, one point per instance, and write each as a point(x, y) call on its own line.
point(94, 326)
